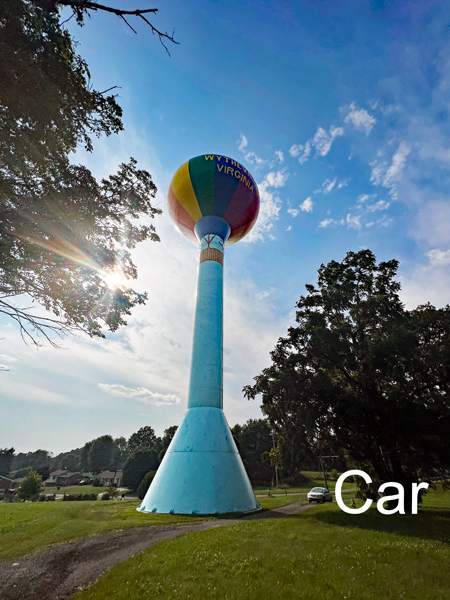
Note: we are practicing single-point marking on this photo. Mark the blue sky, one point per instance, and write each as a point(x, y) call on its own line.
point(340, 110)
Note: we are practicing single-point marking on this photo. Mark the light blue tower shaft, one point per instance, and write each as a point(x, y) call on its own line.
point(202, 471)
point(206, 382)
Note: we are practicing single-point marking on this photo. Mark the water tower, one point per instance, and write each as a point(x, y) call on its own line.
point(213, 200)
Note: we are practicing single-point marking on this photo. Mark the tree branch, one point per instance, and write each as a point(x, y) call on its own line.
point(82, 5)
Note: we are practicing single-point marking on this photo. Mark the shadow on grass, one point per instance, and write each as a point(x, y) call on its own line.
point(430, 523)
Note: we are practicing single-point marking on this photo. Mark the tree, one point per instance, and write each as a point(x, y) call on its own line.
point(62, 232)
point(145, 484)
point(31, 487)
point(360, 372)
point(6, 458)
point(145, 437)
point(166, 440)
point(138, 464)
point(254, 441)
point(101, 453)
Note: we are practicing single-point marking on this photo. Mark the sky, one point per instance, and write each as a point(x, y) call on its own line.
point(340, 110)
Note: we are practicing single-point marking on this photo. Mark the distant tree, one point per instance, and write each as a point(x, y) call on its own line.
point(31, 487)
point(44, 472)
point(145, 484)
point(254, 441)
point(101, 454)
point(62, 232)
point(166, 440)
point(361, 373)
point(121, 452)
point(6, 458)
point(84, 458)
point(35, 460)
point(145, 437)
point(138, 464)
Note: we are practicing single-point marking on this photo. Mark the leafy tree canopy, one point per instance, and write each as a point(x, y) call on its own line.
point(101, 453)
point(145, 437)
point(31, 487)
point(138, 464)
point(61, 231)
point(360, 372)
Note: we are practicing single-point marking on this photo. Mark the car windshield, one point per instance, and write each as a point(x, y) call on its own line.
point(319, 490)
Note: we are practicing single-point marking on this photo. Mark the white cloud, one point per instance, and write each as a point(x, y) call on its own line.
point(289, 228)
point(325, 222)
point(389, 176)
point(327, 185)
point(253, 158)
point(7, 358)
point(268, 211)
point(380, 205)
point(342, 184)
point(293, 211)
point(242, 143)
point(141, 394)
point(360, 118)
point(277, 179)
point(322, 140)
point(279, 155)
point(307, 205)
point(438, 257)
point(353, 221)
point(295, 150)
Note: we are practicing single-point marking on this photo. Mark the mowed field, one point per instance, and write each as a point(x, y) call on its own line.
point(323, 553)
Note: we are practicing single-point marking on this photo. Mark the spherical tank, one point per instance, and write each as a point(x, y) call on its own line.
point(213, 186)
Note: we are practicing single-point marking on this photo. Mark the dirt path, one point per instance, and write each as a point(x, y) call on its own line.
point(57, 573)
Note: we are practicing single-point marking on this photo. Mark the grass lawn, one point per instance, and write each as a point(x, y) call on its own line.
point(75, 489)
point(27, 526)
point(323, 553)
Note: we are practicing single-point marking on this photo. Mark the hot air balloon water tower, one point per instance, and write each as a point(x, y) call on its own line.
point(213, 200)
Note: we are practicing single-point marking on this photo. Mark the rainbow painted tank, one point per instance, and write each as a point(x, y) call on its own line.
point(213, 186)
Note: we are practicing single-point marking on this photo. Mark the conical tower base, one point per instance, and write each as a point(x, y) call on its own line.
point(202, 471)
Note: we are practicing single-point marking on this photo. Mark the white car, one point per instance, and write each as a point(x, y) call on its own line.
point(319, 494)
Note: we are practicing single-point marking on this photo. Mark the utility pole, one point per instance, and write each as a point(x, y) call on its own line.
point(276, 468)
point(323, 467)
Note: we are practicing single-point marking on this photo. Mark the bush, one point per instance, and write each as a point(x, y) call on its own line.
point(145, 484)
point(105, 496)
point(79, 497)
point(31, 487)
point(334, 474)
point(97, 483)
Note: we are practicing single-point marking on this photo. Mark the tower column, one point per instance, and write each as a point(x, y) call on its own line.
point(206, 382)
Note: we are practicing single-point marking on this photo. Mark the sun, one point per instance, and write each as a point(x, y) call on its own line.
point(115, 279)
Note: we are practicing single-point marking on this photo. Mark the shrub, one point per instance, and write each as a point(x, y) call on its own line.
point(334, 474)
point(145, 484)
point(105, 496)
point(97, 483)
point(31, 487)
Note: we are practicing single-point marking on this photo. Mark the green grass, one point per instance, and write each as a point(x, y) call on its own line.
point(323, 553)
point(75, 489)
point(27, 526)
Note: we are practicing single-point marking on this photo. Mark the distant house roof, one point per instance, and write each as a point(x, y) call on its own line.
point(109, 474)
point(7, 478)
point(69, 474)
point(58, 473)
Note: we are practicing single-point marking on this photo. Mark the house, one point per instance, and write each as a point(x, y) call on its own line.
point(5, 484)
point(64, 478)
point(111, 478)
point(54, 476)
point(69, 479)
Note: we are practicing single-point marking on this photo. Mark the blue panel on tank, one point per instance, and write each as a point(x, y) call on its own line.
point(202, 472)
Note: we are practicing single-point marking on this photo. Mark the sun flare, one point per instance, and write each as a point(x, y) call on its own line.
point(115, 279)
